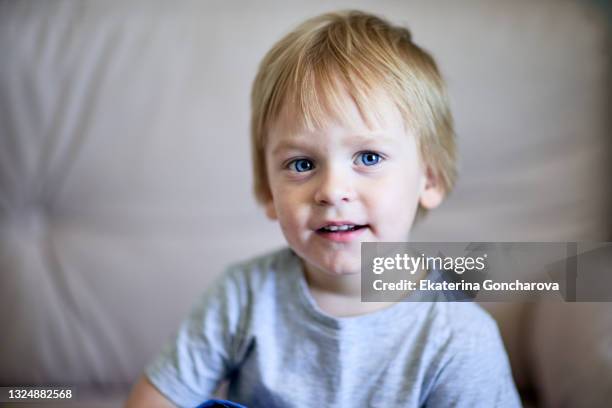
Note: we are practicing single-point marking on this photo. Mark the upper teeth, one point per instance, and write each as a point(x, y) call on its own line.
point(338, 227)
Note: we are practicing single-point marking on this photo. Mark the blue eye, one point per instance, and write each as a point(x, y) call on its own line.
point(301, 165)
point(369, 158)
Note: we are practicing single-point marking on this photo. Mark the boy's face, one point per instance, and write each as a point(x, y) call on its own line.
point(345, 184)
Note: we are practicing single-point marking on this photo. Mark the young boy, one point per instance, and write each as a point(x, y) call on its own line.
point(351, 134)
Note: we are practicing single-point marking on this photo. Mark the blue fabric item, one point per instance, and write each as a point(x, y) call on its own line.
point(216, 403)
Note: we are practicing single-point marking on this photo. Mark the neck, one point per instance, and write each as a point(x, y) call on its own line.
point(348, 286)
point(339, 296)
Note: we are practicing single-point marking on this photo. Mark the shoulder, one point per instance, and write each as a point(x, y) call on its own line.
point(465, 330)
point(234, 289)
point(468, 338)
point(242, 284)
point(471, 367)
point(257, 270)
point(230, 301)
point(463, 320)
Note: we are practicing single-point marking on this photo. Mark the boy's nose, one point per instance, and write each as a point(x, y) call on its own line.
point(334, 188)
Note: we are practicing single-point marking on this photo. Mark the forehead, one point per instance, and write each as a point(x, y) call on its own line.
point(378, 117)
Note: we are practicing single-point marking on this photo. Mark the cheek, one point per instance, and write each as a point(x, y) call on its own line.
point(291, 208)
point(394, 202)
point(399, 191)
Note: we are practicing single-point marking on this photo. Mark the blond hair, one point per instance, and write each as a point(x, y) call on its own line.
point(363, 54)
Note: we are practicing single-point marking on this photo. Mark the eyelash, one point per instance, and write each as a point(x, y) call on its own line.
point(292, 164)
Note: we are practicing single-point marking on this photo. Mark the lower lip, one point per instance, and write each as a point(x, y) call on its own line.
point(342, 236)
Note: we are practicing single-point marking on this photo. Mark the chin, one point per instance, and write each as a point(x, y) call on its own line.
point(340, 272)
point(335, 263)
point(342, 268)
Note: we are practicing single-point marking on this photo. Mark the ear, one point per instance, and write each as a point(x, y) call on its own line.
point(432, 192)
point(270, 210)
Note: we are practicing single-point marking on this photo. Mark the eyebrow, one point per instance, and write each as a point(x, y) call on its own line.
point(373, 138)
point(285, 145)
point(352, 141)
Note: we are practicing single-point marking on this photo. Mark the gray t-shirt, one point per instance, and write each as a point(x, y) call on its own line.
point(259, 328)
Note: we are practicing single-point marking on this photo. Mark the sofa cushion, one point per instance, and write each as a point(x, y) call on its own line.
point(571, 353)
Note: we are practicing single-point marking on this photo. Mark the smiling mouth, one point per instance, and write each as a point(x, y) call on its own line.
point(340, 228)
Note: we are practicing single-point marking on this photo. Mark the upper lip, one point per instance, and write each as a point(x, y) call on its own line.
point(330, 223)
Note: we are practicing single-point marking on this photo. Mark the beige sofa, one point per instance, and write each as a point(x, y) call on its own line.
point(125, 173)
